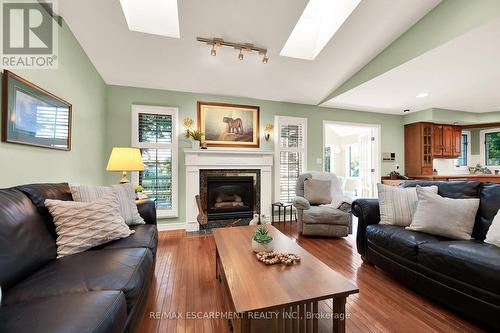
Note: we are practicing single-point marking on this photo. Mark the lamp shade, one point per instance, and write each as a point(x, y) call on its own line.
point(125, 159)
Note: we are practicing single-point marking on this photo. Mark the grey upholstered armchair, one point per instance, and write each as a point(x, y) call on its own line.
point(333, 219)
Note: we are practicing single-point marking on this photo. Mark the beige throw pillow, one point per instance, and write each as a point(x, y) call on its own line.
point(493, 235)
point(83, 225)
point(318, 192)
point(436, 215)
point(124, 192)
point(398, 204)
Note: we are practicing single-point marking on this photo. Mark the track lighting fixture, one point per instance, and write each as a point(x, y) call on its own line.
point(247, 47)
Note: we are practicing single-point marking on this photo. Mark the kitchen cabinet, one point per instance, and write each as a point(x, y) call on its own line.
point(426, 141)
point(447, 141)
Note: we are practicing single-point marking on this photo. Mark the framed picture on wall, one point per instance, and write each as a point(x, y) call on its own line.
point(33, 116)
point(229, 125)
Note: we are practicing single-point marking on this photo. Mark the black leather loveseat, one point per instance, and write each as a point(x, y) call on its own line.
point(100, 290)
point(463, 275)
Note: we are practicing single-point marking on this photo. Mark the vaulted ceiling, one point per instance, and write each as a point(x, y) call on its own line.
point(124, 57)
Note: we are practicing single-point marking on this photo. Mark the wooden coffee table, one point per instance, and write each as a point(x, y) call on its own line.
point(276, 298)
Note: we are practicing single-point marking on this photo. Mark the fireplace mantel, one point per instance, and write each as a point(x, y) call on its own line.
point(219, 158)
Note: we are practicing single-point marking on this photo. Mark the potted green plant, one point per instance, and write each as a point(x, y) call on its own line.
point(262, 241)
point(196, 135)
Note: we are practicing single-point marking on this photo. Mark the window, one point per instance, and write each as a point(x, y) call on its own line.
point(328, 159)
point(291, 155)
point(492, 148)
point(463, 160)
point(154, 131)
point(353, 160)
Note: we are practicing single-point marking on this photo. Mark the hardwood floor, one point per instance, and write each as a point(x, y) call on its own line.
point(185, 284)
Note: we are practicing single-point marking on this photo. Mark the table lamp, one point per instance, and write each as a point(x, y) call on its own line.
point(125, 159)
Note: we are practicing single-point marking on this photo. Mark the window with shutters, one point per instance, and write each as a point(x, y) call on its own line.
point(154, 131)
point(291, 155)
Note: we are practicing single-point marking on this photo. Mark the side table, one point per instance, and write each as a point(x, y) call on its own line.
point(285, 206)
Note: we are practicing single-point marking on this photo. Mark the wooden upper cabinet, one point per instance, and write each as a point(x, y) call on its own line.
point(457, 141)
point(448, 141)
point(437, 140)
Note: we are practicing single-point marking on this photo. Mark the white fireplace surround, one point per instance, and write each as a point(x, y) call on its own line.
point(218, 159)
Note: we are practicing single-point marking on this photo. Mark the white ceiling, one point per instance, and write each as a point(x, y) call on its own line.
point(463, 74)
point(129, 58)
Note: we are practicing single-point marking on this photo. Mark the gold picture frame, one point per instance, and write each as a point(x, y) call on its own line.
point(229, 125)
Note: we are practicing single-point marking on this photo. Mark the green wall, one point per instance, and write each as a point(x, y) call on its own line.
point(118, 130)
point(77, 82)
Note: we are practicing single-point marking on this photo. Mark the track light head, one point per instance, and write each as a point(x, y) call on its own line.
point(213, 51)
point(240, 55)
point(265, 59)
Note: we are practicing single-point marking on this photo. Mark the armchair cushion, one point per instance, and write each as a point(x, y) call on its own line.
point(318, 192)
point(325, 215)
point(301, 203)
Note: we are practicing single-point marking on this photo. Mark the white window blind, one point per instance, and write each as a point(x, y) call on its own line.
point(154, 131)
point(291, 155)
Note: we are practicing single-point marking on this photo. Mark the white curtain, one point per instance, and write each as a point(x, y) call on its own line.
point(365, 166)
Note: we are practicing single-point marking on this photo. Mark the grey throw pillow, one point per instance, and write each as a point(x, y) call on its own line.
point(436, 215)
point(398, 204)
point(124, 192)
point(318, 192)
point(84, 225)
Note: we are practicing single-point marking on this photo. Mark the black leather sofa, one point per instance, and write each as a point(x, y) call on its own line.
point(463, 275)
point(100, 290)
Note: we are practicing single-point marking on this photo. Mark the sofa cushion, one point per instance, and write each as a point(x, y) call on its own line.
point(25, 243)
point(100, 311)
point(473, 262)
point(398, 241)
point(457, 189)
point(128, 270)
point(325, 215)
point(145, 235)
point(39, 192)
point(488, 208)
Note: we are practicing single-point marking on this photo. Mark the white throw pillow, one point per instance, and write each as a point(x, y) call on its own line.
point(84, 225)
point(436, 215)
point(124, 192)
point(493, 235)
point(398, 204)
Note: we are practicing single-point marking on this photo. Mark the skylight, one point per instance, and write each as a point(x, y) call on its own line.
point(316, 26)
point(157, 17)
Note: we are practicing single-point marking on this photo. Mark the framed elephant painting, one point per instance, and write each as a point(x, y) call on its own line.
point(229, 125)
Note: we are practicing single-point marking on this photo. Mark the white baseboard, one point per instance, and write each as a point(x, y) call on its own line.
point(171, 226)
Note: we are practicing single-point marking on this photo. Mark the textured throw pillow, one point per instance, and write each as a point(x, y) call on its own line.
point(124, 192)
point(436, 215)
point(318, 192)
point(84, 225)
point(493, 235)
point(398, 204)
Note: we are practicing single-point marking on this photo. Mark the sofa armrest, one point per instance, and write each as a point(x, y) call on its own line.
point(368, 212)
point(147, 210)
point(301, 203)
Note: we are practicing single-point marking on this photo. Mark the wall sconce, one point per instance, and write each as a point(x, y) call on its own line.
point(268, 130)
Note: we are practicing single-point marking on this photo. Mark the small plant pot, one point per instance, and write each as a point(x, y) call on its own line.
point(195, 144)
point(258, 247)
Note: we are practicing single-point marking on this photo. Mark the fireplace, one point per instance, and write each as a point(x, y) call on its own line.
point(230, 197)
point(230, 194)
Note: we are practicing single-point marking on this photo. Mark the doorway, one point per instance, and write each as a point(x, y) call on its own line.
point(352, 152)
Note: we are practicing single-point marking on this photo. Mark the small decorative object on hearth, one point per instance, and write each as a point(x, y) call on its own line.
point(262, 241)
point(271, 258)
point(268, 130)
